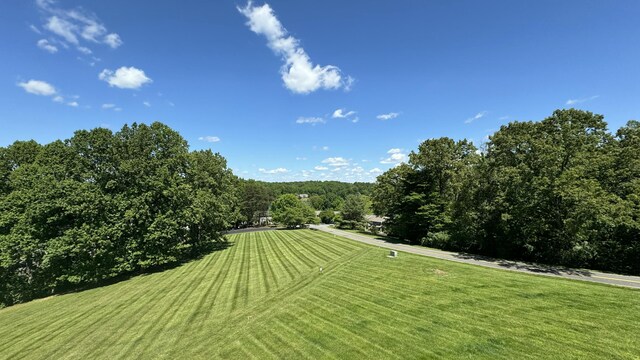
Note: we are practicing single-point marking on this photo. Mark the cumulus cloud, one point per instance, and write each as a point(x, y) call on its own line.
point(75, 25)
point(375, 171)
point(321, 168)
point(73, 104)
point(125, 77)
point(38, 87)
point(274, 171)
point(146, 103)
point(108, 106)
point(336, 161)
point(45, 45)
point(58, 99)
point(389, 116)
point(396, 156)
point(310, 120)
point(578, 101)
point(298, 73)
point(211, 139)
point(477, 116)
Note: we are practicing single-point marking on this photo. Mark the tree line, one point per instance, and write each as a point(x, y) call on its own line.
point(101, 204)
point(563, 190)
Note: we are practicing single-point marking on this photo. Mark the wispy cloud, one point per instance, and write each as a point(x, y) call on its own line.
point(477, 116)
point(279, 170)
point(336, 161)
point(578, 101)
point(45, 45)
point(211, 139)
point(341, 114)
point(321, 168)
point(298, 73)
point(73, 26)
point(146, 103)
point(389, 116)
point(311, 120)
point(73, 104)
point(125, 77)
point(375, 171)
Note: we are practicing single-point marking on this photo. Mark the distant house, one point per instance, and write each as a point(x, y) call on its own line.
point(375, 222)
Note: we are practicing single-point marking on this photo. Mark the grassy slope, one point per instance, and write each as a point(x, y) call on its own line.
point(264, 297)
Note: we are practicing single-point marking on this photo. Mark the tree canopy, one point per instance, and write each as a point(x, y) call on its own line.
point(563, 191)
point(102, 204)
point(290, 211)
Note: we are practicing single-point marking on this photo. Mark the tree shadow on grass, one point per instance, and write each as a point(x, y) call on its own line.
point(72, 288)
point(532, 267)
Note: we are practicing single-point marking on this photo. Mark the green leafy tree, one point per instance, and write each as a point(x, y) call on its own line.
point(290, 211)
point(352, 212)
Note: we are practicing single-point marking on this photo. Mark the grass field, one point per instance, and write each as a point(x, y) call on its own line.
point(264, 297)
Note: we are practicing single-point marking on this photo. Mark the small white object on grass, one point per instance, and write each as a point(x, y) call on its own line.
point(393, 254)
point(321, 269)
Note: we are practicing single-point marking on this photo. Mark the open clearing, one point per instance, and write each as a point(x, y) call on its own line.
point(264, 297)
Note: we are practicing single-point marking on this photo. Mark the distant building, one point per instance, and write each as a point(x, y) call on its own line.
point(375, 222)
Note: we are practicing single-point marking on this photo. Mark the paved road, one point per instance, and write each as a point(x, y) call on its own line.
point(556, 271)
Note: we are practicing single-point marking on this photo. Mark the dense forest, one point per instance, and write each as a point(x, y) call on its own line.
point(561, 191)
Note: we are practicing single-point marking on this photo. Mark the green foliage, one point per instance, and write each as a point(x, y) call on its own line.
point(99, 205)
point(291, 212)
point(561, 191)
point(255, 199)
point(352, 212)
point(327, 216)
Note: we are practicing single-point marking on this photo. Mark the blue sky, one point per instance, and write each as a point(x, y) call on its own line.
point(297, 90)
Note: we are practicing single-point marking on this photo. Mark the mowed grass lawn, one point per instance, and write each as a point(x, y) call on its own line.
point(264, 297)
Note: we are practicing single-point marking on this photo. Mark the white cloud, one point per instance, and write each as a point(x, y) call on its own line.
point(301, 158)
point(146, 103)
point(396, 156)
point(578, 101)
point(274, 171)
point(325, 148)
point(336, 161)
point(340, 113)
point(389, 116)
point(45, 45)
point(35, 29)
point(73, 104)
point(113, 40)
point(108, 106)
point(298, 72)
point(375, 171)
point(58, 99)
point(211, 139)
point(38, 87)
point(321, 168)
point(125, 77)
point(74, 25)
point(477, 116)
point(504, 117)
point(85, 50)
point(117, 109)
point(310, 120)
point(62, 28)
